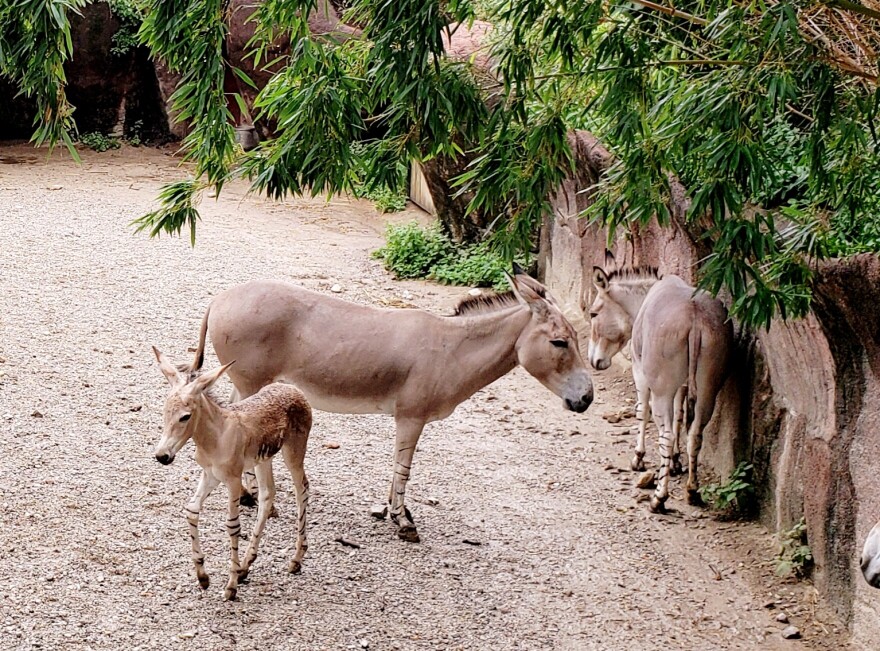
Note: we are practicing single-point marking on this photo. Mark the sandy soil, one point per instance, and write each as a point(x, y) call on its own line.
point(532, 538)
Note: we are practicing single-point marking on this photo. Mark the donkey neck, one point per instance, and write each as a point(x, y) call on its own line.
point(484, 347)
point(630, 294)
point(210, 419)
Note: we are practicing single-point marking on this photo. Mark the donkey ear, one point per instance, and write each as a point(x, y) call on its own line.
point(206, 380)
point(610, 260)
point(168, 369)
point(517, 270)
point(530, 293)
point(600, 278)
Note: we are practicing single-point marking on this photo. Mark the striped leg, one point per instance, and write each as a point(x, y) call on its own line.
point(207, 483)
point(695, 442)
point(233, 528)
point(294, 455)
point(664, 427)
point(408, 433)
point(644, 398)
point(679, 420)
point(266, 483)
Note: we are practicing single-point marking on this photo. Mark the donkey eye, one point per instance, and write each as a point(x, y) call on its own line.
point(185, 418)
point(559, 343)
point(593, 315)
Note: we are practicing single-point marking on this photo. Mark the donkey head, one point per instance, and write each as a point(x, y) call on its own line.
point(182, 406)
point(548, 346)
point(610, 323)
point(871, 557)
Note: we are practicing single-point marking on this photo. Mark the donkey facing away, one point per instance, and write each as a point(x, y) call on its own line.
point(230, 439)
point(681, 346)
point(411, 364)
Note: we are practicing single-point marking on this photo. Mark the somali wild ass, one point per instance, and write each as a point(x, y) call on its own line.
point(411, 364)
point(681, 345)
point(871, 557)
point(230, 439)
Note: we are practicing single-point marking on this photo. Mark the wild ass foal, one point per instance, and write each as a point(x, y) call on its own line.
point(681, 344)
point(230, 439)
point(411, 364)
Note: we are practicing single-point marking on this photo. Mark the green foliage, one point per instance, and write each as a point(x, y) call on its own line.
point(735, 497)
point(415, 252)
point(774, 139)
point(795, 557)
point(99, 142)
point(130, 16)
point(389, 194)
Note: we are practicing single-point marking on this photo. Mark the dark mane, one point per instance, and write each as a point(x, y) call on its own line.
point(485, 303)
point(634, 273)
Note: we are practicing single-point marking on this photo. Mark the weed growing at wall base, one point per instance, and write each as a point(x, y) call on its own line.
point(735, 497)
point(795, 557)
point(415, 252)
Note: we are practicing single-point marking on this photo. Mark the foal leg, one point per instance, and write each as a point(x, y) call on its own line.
point(266, 483)
point(679, 418)
point(233, 528)
point(408, 433)
point(207, 483)
point(294, 454)
point(249, 488)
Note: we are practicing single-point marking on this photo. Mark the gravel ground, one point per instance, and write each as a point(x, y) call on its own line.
point(531, 536)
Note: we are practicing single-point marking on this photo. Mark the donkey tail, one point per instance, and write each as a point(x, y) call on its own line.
point(694, 340)
point(199, 358)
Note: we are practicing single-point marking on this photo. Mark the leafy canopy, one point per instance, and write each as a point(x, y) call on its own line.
point(765, 110)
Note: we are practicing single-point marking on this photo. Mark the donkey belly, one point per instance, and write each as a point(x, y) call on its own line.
point(338, 402)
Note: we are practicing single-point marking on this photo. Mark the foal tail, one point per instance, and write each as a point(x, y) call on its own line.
point(199, 358)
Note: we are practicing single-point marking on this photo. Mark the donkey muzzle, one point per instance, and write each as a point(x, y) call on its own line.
point(580, 405)
point(164, 458)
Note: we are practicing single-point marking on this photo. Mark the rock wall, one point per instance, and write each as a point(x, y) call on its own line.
point(802, 403)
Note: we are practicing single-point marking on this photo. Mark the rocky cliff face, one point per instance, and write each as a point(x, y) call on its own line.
point(802, 405)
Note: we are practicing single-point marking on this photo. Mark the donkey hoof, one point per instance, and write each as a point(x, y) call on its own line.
point(638, 463)
point(295, 567)
point(694, 498)
point(408, 533)
point(229, 594)
point(247, 499)
point(379, 511)
point(204, 582)
point(657, 505)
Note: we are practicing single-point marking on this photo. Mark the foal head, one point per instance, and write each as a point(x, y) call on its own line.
point(619, 294)
point(182, 406)
point(871, 557)
point(548, 346)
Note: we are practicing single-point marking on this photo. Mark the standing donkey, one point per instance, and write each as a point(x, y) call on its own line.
point(230, 439)
point(681, 346)
point(411, 364)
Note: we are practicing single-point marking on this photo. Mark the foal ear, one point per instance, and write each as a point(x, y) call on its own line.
point(600, 278)
point(206, 380)
point(168, 369)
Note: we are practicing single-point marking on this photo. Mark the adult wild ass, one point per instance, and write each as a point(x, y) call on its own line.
point(411, 364)
point(871, 557)
point(230, 439)
point(681, 345)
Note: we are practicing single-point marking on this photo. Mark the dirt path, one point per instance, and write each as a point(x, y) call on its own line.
point(559, 555)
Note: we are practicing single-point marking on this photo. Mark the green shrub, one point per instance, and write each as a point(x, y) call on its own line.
point(795, 557)
point(415, 252)
point(99, 141)
point(735, 497)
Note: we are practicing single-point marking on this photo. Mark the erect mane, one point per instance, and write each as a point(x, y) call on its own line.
point(634, 273)
point(485, 303)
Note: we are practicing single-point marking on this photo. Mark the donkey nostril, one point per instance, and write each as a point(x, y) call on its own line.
point(164, 459)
